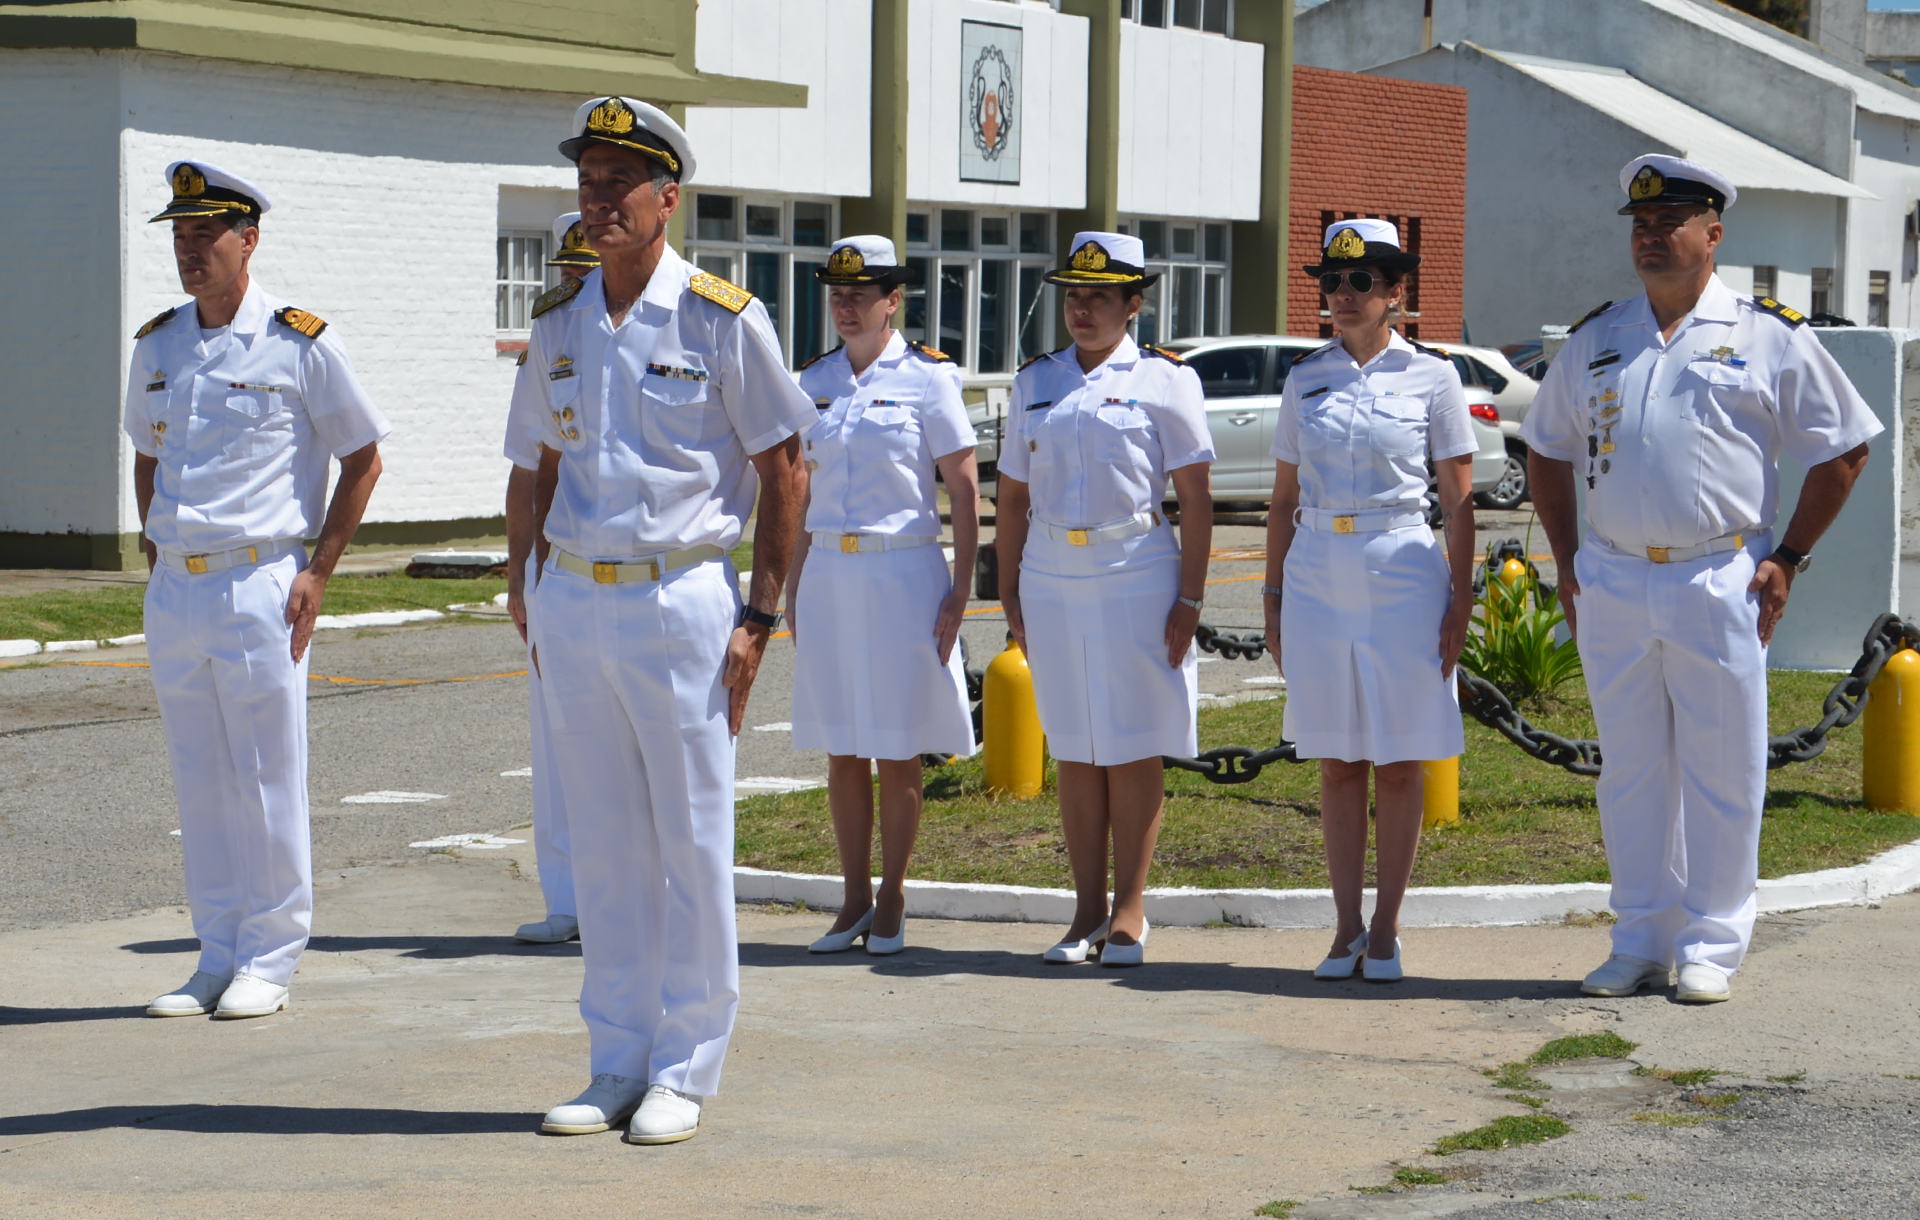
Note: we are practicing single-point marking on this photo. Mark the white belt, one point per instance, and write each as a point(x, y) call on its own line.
point(626, 571)
point(1370, 522)
point(217, 561)
point(1680, 554)
point(853, 544)
point(1113, 531)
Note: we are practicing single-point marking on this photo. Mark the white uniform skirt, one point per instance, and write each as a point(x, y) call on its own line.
point(867, 680)
point(1360, 640)
point(1096, 640)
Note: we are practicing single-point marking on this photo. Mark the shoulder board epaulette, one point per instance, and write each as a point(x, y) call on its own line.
point(1030, 360)
point(557, 296)
point(1305, 356)
point(727, 296)
point(155, 324)
point(1161, 352)
point(1436, 353)
point(816, 360)
point(1792, 317)
point(932, 353)
point(1603, 307)
point(299, 321)
point(522, 358)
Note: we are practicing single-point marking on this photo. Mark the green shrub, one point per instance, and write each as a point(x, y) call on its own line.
point(1510, 641)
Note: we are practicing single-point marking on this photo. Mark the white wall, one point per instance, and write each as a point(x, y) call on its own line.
point(1888, 165)
point(826, 45)
point(61, 342)
point(1053, 132)
point(1190, 117)
point(1785, 229)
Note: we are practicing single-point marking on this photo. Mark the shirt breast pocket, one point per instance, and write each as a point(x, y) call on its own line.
point(1717, 393)
point(1322, 425)
point(1124, 435)
point(1399, 425)
point(680, 412)
point(252, 418)
point(890, 433)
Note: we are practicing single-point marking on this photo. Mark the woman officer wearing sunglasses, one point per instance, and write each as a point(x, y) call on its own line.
point(1365, 615)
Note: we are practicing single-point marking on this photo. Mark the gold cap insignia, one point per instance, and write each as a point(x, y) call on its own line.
point(1346, 244)
point(575, 239)
point(1089, 257)
point(1646, 184)
point(846, 261)
point(611, 117)
point(189, 182)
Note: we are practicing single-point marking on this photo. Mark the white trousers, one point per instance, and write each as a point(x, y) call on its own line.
point(552, 845)
point(1678, 679)
point(632, 675)
point(233, 706)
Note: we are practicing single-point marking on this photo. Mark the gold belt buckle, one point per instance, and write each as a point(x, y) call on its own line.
point(253, 554)
point(197, 564)
point(849, 544)
point(1658, 553)
point(1077, 537)
point(1343, 525)
point(605, 573)
point(654, 567)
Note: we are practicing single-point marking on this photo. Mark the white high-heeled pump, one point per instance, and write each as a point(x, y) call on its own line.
point(1127, 955)
point(1387, 971)
point(1073, 952)
point(1343, 967)
point(840, 942)
point(886, 946)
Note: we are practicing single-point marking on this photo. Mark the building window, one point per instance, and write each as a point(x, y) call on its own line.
point(1210, 16)
point(771, 246)
point(1822, 290)
point(1877, 297)
point(1191, 259)
point(521, 274)
point(979, 296)
point(1766, 281)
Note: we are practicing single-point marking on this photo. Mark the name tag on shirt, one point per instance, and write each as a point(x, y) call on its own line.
point(1604, 359)
point(158, 381)
point(1316, 393)
point(677, 373)
point(1038, 406)
point(562, 369)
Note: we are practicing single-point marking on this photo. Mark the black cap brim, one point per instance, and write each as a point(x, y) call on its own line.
point(1379, 254)
point(879, 277)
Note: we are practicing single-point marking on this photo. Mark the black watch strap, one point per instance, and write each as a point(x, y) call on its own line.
point(760, 617)
point(1796, 560)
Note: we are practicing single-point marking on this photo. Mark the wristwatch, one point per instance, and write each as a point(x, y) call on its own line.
point(1792, 558)
point(758, 617)
point(1194, 602)
point(1272, 591)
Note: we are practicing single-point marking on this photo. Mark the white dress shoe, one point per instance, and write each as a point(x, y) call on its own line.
point(667, 1116)
point(1375, 970)
point(1701, 983)
point(1127, 955)
point(840, 942)
point(1623, 974)
point(608, 1100)
point(251, 996)
point(553, 930)
point(196, 999)
point(1343, 967)
point(886, 946)
point(1073, 952)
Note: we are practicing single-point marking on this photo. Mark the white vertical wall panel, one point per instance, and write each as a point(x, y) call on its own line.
point(1191, 113)
point(1053, 105)
point(826, 45)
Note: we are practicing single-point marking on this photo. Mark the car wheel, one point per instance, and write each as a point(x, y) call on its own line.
point(1511, 491)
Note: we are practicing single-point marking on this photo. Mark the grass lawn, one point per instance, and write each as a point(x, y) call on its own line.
point(1521, 821)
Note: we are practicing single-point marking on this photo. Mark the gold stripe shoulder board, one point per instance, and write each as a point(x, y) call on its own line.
point(553, 298)
point(299, 321)
point(730, 297)
point(155, 324)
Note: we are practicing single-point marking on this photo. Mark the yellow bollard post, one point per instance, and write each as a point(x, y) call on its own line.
point(1511, 571)
point(1015, 747)
point(1440, 784)
point(1891, 737)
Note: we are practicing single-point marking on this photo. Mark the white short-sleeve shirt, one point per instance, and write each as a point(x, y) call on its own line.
point(1361, 434)
point(872, 451)
point(243, 421)
point(654, 419)
point(1678, 440)
point(1095, 448)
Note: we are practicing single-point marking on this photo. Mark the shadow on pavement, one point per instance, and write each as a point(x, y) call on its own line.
point(1161, 976)
point(415, 946)
point(273, 1120)
point(56, 1016)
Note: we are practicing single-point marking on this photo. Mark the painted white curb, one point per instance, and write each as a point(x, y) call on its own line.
point(19, 648)
point(375, 618)
point(72, 645)
point(1465, 906)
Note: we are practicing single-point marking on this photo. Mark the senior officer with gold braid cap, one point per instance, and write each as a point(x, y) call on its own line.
point(656, 392)
point(1673, 408)
point(552, 845)
point(236, 404)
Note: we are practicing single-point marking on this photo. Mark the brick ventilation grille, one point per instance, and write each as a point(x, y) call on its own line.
point(1390, 149)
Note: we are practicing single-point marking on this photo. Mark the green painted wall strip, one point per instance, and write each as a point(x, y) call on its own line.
point(1260, 267)
point(1102, 210)
point(884, 211)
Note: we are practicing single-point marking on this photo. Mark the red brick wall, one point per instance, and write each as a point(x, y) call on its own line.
point(1391, 149)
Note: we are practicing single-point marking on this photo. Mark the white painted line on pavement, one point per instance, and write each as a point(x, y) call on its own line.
point(72, 645)
point(375, 618)
point(760, 785)
point(778, 726)
point(477, 842)
point(387, 797)
point(1269, 680)
point(526, 771)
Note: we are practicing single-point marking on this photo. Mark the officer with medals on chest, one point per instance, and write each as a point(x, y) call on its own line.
point(1672, 408)
point(552, 845)
point(657, 394)
point(236, 404)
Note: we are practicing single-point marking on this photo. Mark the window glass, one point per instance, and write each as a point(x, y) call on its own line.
point(812, 224)
point(1183, 242)
point(1215, 322)
point(1283, 363)
point(1464, 367)
point(1187, 13)
point(715, 264)
point(913, 318)
point(1153, 235)
point(1146, 326)
point(520, 275)
point(763, 281)
point(1231, 372)
point(1035, 228)
point(953, 311)
point(1766, 281)
point(996, 316)
point(1214, 18)
point(1822, 290)
point(809, 310)
point(714, 217)
point(1193, 295)
point(993, 231)
point(763, 220)
point(1216, 251)
point(1877, 284)
point(1484, 375)
point(1036, 312)
point(1153, 12)
point(956, 231)
point(917, 229)
point(1186, 303)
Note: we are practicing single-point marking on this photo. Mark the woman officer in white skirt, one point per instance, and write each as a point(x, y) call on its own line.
point(1098, 593)
point(874, 611)
point(1365, 616)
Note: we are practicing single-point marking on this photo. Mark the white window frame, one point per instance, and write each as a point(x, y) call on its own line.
point(1160, 295)
point(548, 278)
point(1044, 308)
point(710, 253)
point(1136, 11)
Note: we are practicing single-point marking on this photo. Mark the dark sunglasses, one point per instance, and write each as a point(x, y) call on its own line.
point(1362, 281)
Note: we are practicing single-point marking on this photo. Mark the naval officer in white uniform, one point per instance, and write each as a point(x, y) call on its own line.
point(874, 610)
point(1673, 408)
point(236, 403)
point(1098, 592)
point(526, 551)
point(1366, 616)
point(657, 392)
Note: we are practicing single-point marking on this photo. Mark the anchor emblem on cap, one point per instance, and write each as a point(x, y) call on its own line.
point(1347, 244)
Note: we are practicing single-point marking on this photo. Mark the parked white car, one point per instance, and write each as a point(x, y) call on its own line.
point(1511, 391)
